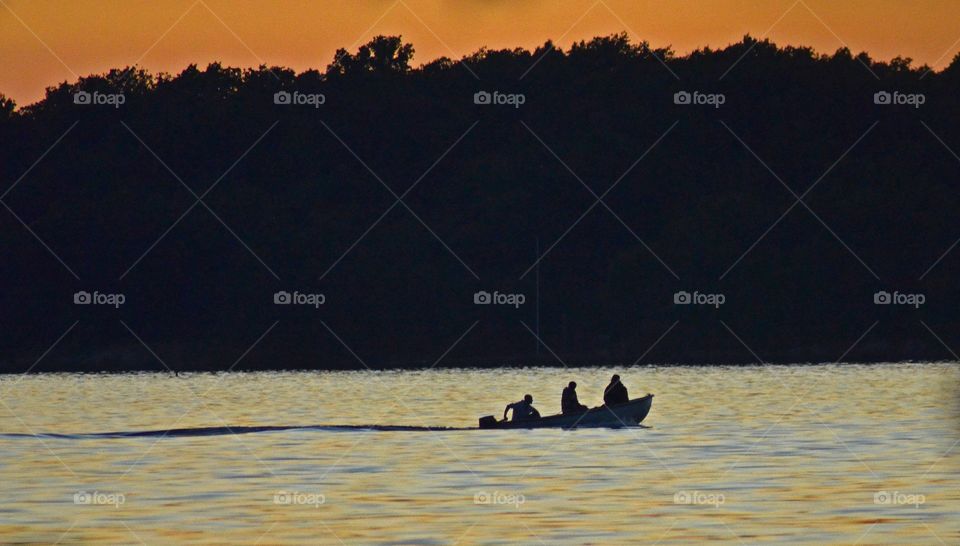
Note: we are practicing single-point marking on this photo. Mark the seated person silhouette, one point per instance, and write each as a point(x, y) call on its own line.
point(568, 400)
point(615, 393)
point(522, 410)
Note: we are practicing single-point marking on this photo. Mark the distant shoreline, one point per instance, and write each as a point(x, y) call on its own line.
point(148, 366)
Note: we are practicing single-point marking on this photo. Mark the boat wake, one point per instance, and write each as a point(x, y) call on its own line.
point(222, 431)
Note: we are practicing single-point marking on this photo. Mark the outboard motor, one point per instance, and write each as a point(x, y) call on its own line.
point(488, 421)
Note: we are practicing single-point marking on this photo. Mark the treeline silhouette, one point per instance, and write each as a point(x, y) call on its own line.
point(200, 195)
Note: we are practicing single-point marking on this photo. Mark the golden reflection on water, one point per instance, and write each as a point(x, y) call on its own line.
point(803, 454)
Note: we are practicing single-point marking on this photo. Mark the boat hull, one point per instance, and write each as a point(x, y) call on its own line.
point(628, 414)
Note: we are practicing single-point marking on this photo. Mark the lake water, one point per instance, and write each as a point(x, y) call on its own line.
point(789, 454)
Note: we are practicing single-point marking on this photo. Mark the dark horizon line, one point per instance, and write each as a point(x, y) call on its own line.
point(483, 364)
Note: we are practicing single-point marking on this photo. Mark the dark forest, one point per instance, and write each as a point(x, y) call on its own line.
point(597, 182)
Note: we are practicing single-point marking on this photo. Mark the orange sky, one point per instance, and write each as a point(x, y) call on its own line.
point(43, 42)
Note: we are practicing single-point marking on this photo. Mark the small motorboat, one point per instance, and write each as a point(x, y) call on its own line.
point(628, 414)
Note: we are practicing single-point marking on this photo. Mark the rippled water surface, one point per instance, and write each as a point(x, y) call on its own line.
point(800, 454)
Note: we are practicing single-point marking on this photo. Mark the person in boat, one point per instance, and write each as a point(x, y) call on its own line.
point(615, 393)
point(568, 400)
point(522, 410)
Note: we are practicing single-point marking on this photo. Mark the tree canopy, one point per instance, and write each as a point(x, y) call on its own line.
point(797, 184)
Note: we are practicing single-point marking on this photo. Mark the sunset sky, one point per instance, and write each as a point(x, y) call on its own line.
point(43, 42)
